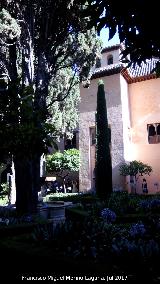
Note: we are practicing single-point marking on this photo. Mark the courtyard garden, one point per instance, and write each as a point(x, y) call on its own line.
point(117, 236)
point(48, 50)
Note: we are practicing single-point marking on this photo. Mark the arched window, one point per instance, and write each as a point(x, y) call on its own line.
point(154, 133)
point(158, 133)
point(110, 59)
point(98, 62)
point(158, 129)
point(152, 130)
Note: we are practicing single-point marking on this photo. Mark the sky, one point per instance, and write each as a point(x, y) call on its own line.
point(104, 35)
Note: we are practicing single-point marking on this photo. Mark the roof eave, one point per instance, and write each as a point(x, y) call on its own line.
point(131, 80)
point(104, 73)
point(111, 48)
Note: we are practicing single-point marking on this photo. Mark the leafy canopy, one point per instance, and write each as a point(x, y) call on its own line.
point(137, 23)
point(32, 116)
point(53, 37)
point(135, 168)
point(58, 162)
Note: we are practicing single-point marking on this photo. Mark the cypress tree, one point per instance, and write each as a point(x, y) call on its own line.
point(103, 156)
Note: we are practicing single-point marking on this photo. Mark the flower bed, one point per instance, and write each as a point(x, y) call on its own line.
point(98, 238)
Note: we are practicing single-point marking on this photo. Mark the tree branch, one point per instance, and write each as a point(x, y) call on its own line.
point(62, 99)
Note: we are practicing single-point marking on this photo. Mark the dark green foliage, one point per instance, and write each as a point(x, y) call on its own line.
point(62, 164)
point(72, 197)
point(76, 213)
point(66, 161)
point(103, 156)
point(42, 44)
point(118, 202)
point(16, 229)
point(137, 23)
point(135, 169)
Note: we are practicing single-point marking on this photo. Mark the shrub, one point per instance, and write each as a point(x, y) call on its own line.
point(118, 202)
point(73, 197)
point(135, 169)
point(151, 205)
point(3, 200)
point(63, 163)
point(5, 188)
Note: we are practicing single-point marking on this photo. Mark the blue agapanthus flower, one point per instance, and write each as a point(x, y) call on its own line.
point(155, 204)
point(137, 230)
point(144, 205)
point(108, 215)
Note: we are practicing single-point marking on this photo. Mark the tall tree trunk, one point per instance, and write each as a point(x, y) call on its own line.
point(35, 181)
point(27, 177)
point(23, 185)
point(27, 167)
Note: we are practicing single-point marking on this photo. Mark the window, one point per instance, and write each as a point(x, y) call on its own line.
point(153, 133)
point(93, 135)
point(70, 143)
point(110, 59)
point(98, 62)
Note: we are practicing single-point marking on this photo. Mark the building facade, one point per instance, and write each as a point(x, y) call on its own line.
point(133, 107)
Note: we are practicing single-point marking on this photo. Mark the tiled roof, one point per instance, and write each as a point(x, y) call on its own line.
point(143, 70)
point(132, 74)
point(107, 70)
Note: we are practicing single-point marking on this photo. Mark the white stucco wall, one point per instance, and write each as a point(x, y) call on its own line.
point(145, 109)
point(126, 119)
point(114, 53)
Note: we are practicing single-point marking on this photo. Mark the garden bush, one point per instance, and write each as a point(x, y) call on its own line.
point(4, 194)
point(118, 202)
point(3, 199)
point(76, 213)
point(73, 197)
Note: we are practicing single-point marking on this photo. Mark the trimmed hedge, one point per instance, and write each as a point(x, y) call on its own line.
point(76, 214)
point(72, 197)
point(20, 229)
point(134, 218)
